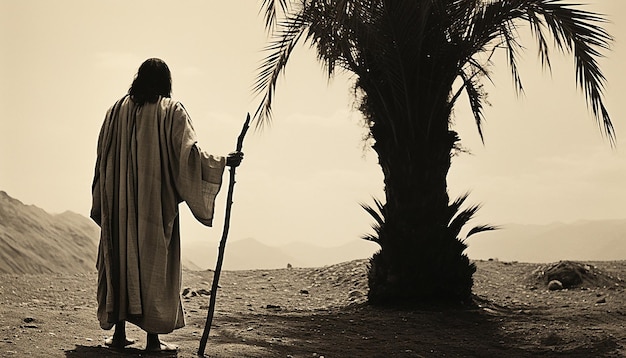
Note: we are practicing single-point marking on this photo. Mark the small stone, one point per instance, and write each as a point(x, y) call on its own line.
point(29, 320)
point(355, 294)
point(304, 292)
point(555, 285)
point(602, 300)
point(204, 292)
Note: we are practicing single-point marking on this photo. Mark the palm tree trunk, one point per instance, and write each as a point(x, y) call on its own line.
point(420, 259)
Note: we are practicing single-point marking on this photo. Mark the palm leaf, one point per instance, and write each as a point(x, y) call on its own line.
point(580, 33)
point(378, 213)
point(270, 8)
point(459, 218)
point(576, 32)
point(476, 95)
point(481, 228)
point(274, 64)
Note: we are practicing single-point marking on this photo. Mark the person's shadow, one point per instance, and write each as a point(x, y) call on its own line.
point(104, 352)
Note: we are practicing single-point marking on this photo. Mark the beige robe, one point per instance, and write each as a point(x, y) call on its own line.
point(148, 162)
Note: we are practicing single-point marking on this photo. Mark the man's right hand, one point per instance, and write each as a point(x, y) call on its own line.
point(234, 159)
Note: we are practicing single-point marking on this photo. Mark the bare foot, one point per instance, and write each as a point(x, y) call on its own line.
point(114, 342)
point(162, 347)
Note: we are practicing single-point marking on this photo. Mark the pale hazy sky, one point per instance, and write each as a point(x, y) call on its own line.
point(63, 63)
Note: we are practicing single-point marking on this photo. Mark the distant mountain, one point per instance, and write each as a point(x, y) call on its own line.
point(249, 253)
point(311, 255)
point(597, 240)
point(239, 255)
point(600, 240)
point(34, 241)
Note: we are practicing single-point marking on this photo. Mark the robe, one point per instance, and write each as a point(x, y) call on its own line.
point(148, 162)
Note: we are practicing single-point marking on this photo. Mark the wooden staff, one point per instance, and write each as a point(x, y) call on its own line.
point(222, 248)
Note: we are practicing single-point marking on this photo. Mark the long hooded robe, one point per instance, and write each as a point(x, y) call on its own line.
point(148, 162)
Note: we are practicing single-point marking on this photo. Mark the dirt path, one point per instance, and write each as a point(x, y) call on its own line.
point(322, 312)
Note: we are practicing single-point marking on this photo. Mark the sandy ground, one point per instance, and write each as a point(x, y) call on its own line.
point(322, 312)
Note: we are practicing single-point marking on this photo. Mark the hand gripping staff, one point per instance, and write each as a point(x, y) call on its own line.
point(222, 248)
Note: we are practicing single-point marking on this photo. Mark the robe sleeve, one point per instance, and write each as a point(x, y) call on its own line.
point(96, 202)
point(197, 174)
point(96, 207)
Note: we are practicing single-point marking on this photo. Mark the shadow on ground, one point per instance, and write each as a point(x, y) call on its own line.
point(105, 352)
point(366, 331)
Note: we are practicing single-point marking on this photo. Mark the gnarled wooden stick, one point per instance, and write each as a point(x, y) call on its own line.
point(222, 248)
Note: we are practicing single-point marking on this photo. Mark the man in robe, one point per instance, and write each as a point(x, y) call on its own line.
point(148, 162)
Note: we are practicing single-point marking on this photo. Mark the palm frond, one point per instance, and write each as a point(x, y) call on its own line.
point(580, 33)
point(574, 31)
point(481, 228)
point(455, 206)
point(459, 218)
point(537, 28)
point(270, 9)
point(274, 64)
point(512, 47)
point(476, 95)
point(378, 214)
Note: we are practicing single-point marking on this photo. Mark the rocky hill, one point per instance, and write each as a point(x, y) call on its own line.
point(34, 241)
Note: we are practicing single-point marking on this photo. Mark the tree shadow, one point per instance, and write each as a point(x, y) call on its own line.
point(105, 352)
point(367, 331)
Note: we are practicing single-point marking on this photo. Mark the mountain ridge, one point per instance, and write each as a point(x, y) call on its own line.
point(250, 253)
point(34, 241)
point(599, 240)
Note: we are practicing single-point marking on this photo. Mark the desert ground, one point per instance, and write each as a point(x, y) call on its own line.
point(323, 312)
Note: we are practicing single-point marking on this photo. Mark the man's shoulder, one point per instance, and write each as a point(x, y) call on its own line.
point(121, 101)
point(116, 107)
point(171, 104)
point(173, 110)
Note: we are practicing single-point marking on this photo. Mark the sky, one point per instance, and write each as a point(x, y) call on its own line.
point(65, 62)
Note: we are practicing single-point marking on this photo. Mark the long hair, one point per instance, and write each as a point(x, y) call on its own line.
point(153, 79)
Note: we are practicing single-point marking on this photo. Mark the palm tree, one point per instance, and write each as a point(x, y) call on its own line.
point(411, 61)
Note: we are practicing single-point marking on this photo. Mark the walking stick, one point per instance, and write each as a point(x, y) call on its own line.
point(222, 248)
